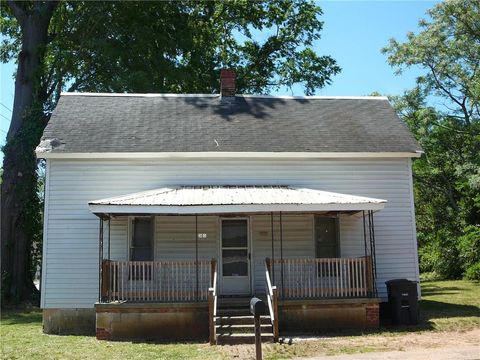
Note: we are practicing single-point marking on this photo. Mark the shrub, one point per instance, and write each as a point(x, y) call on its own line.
point(473, 272)
point(469, 251)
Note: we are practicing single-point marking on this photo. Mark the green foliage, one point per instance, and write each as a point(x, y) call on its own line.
point(473, 272)
point(180, 46)
point(447, 177)
point(469, 252)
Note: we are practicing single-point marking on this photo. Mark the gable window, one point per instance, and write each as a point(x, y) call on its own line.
point(326, 238)
point(141, 245)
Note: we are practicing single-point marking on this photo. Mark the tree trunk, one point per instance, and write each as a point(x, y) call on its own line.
point(19, 166)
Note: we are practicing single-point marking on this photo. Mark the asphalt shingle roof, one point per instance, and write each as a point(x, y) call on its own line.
point(99, 123)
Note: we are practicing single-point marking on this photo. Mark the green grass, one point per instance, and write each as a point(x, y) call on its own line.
point(450, 305)
point(446, 306)
point(22, 338)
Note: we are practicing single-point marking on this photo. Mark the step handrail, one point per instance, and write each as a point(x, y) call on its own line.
point(272, 300)
point(212, 303)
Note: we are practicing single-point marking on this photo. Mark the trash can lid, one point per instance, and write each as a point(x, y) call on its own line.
point(399, 282)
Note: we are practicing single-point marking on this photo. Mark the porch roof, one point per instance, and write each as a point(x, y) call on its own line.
point(224, 199)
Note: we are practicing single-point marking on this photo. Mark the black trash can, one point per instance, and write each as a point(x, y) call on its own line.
point(403, 301)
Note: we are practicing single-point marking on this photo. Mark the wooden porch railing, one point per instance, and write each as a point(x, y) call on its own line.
point(161, 281)
point(272, 299)
point(212, 303)
point(324, 278)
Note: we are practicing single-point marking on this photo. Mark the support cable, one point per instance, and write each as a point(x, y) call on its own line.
point(196, 255)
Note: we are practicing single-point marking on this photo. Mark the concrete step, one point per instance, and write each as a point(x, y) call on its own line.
point(242, 329)
point(240, 320)
point(247, 338)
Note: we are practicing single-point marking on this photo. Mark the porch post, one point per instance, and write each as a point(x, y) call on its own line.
point(374, 256)
point(108, 252)
point(281, 255)
point(196, 257)
point(372, 250)
point(272, 270)
point(364, 234)
point(100, 259)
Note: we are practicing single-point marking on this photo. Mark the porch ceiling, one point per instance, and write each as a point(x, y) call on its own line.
point(211, 199)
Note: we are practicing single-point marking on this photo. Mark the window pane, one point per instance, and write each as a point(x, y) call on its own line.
point(142, 242)
point(234, 233)
point(235, 262)
point(326, 238)
point(142, 254)
point(326, 251)
point(142, 232)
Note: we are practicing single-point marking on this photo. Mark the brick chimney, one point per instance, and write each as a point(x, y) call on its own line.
point(227, 83)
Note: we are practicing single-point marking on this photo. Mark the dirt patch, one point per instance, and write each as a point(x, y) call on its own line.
point(309, 347)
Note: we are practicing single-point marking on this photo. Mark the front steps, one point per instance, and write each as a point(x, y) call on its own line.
point(235, 325)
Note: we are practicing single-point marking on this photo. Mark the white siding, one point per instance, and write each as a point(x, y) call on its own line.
point(71, 237)
point(175, 237)
point(297, 241)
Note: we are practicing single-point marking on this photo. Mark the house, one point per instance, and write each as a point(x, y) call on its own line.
point(165, 213)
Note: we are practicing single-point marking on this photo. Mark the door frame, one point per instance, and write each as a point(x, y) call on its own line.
point(249, 254)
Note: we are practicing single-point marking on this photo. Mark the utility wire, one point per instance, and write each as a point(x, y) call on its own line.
point(6, 107)
point(4, 117)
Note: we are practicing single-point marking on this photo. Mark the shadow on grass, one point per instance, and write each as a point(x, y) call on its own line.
point(437, 290)
point(24, 317)
point(429, 310)
point(437, 309)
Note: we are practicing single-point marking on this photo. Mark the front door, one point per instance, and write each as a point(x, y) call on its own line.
point(235, 256)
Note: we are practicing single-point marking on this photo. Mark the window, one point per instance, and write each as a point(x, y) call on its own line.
point(141, 246)
point(326, 238)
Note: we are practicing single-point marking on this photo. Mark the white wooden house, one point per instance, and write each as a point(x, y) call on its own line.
point(165, 213)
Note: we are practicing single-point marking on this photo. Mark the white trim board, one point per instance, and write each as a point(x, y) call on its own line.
point(229, 209)
point(225, 154)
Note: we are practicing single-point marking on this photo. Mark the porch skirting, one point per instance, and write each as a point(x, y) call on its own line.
point(152, 321)
point(316, 315)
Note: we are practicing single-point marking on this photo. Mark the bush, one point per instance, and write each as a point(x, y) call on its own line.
point(428, 257)
point(447, 260)
point(469, 251)
point(473, 272)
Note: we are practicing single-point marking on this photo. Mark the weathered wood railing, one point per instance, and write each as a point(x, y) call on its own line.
point(212, 303)
point(161, 281)
point(272, 299)
point(324, 278)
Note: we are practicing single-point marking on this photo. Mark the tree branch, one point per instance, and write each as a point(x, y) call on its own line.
point(19, 12)
point(450, 95)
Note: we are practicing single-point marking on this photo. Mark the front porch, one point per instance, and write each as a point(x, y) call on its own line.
point(168, 299)
point(164, 278)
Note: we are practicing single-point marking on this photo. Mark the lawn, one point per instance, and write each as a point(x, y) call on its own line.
point(450, 312)
point(450, 305)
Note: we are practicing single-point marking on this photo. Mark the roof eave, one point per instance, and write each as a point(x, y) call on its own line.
point(231, 209)
point(223, 154)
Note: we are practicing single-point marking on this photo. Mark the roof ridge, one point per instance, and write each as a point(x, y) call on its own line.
point(314, 97)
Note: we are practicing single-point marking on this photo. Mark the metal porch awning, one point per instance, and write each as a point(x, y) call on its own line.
point(223, 199)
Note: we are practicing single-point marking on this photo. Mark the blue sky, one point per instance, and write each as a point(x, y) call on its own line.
point(353, 34)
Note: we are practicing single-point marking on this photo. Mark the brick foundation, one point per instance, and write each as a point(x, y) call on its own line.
point(306, 316)
point(152, 321)
point(102, 334)
point(372, 315)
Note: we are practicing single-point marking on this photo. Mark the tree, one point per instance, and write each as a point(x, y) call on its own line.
point(20, 205)
point(136, 47)
point(447, 177)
